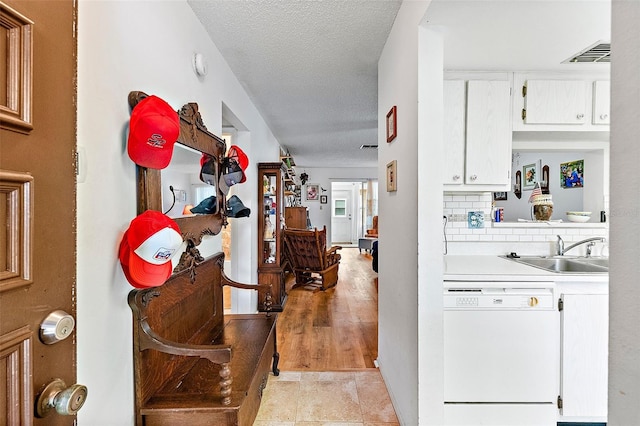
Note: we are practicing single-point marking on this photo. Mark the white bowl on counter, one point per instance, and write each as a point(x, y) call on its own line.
point(580, 217)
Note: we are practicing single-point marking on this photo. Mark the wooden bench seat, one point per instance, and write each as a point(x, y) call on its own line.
point(193, 364)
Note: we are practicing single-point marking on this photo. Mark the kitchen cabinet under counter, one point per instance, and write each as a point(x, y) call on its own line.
point(575, 330)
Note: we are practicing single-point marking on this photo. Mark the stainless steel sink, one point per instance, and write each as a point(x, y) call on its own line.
point(563, 265)
point(600, 261)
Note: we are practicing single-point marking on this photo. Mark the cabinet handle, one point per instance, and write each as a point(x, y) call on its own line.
point(473, 177)
point(604, 116)
point(456, 177)
point(580, 116)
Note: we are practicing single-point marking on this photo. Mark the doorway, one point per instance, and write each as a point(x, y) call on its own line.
point(353, 205)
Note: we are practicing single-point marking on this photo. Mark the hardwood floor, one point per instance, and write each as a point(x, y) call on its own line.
point(336, 329)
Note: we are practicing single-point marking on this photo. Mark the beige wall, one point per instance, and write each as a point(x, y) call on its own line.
point(624, 297)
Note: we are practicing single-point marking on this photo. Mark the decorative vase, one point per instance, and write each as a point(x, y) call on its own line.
point(542, 211)
point(542, 207)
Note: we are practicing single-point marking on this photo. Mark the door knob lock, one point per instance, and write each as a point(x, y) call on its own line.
point(56, 327)
point(56, 396)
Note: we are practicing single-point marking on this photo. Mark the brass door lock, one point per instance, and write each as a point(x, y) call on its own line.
point(56, 396)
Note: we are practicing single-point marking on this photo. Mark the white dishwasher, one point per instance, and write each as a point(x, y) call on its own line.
point(501, 355)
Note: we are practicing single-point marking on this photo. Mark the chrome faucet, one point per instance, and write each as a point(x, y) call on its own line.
point(560, 250)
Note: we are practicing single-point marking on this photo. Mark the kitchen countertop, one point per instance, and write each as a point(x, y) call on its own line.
point(495, 268)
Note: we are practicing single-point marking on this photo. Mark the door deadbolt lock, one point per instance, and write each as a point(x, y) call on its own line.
point(56, 396)
point(56, 327)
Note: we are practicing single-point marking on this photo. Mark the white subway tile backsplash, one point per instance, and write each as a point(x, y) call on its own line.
point(495, 240)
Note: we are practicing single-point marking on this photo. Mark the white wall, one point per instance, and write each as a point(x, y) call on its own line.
point(564, 199)
point(125, 46)
point(624, 297)
point(398, 329)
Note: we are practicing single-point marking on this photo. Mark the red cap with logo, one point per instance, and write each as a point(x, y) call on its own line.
point(153, 129)
point(147, 247)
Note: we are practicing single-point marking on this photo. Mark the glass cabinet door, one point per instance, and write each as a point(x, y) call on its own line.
point(271, 218)
point(270, 223)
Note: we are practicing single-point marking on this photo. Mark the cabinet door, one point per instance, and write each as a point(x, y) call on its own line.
point(584, 363)
point(488, 147)
point(269, 227)
point(556, 102)
point(601, 102)
point(454, 132)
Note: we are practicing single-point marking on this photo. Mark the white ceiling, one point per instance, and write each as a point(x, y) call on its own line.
point(310, 66)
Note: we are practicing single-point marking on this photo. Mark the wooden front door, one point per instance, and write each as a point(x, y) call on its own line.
point(37, 210)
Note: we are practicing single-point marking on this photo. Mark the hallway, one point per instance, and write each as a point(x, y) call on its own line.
point(328, 344)
point(336, 329)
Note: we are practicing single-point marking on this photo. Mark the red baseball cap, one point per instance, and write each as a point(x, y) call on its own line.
point(153, 129)
point(238, 161)
point(147, 247)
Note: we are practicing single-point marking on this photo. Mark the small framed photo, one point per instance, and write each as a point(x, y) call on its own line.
point(392, 124)
point(499, 196)
point(313, 192)
point(323, 199)
point(392, 178)
point(572, 174)
point(530, 174)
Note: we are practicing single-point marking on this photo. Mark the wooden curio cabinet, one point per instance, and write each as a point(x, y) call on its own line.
point(270, 223)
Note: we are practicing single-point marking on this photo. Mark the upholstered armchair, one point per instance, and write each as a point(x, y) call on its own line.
point(373, 232)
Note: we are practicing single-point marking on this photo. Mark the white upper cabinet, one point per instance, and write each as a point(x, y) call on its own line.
point(454, 131)
point(561, 102)
point(488, 147)
point(477, 135)
point(555, 102)
point(601, 102)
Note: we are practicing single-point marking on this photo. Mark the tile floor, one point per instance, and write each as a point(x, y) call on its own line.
point(351, 398)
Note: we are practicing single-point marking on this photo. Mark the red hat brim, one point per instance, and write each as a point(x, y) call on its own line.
point(139, 273)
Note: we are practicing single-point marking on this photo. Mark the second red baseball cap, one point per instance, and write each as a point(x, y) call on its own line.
point(147, 247)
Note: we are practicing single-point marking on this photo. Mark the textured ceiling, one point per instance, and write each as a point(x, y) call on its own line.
point(310, 66)
point(311, 69)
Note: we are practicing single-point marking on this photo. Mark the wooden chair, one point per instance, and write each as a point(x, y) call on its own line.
point(307, 253)
point(373, 231)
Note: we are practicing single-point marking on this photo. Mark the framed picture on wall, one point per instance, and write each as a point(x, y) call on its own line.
point(499, 196)
point(392, 180)
point(392, 124)
point(572, 174)
point(530, 176)
point(313, 192)
point(323, 199)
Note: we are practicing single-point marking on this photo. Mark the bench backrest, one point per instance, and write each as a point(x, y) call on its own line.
point(181, 310)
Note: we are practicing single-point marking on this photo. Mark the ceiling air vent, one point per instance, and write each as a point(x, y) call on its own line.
point(598, 52)
point(368, 146)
